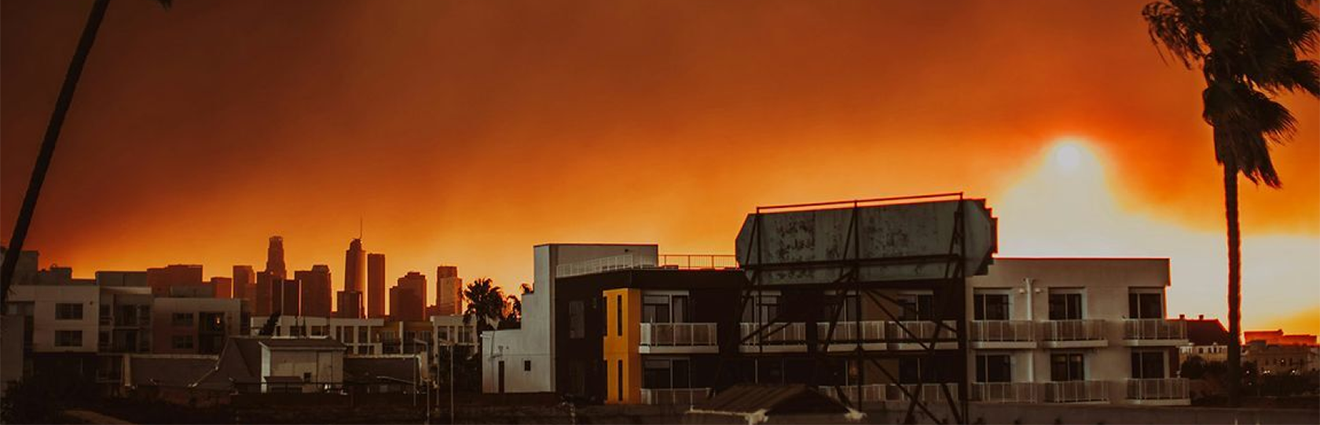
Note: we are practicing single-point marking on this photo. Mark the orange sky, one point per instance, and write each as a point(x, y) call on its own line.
point(464, 132)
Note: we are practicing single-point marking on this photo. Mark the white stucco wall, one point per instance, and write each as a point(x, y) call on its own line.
point(44, 323)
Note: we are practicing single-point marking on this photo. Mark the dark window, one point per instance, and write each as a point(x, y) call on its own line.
point(68, 311)
point(604, 317)
point(1147, 365)
point(1066, 306)
point(656, 374)
point(1066, 367)
point(994, 368)
point(68, 338)
point(680, 308)
point(990, 307)
point(181, 319)
point(655, 309)
point(618, 323)
point(618, 381)
point(912, 370)
point(917, 307)
point(1148, 305)
point(576, 321)
point(761, 308)
point(527, 365)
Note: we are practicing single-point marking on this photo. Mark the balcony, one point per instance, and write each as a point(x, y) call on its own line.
point(919, 333)
point(871, 393)
point(928, 393)
point(778, 337)
point(1076, 392)
point(1074, 333)
point(1147, 332)
point(605, 264)
point(845, 337)
point(1165, 391)
point(678, 338)
point(1005, 392)
point(1003, 334)
point(674, 396)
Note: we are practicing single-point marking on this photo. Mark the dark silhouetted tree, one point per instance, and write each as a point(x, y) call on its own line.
point(485, 303)
point(1248, 51)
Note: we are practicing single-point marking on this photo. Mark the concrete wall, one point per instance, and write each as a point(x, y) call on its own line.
point(11, 350)
point(44, 323)
point(325, 366)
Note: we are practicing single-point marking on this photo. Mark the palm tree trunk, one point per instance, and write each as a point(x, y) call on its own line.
point(53, 128)
point(1234, 285)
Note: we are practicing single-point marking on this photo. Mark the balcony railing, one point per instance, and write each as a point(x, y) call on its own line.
point(871, 393)
point(1004, 392)
point(926, 392)
point(1002, 331)
point(1157, 389)
point(1154, 329)
point(775, 334)
point(674, 396)
point(678, 334)
point(1075, 391)
point(872, 331)
point(919, 330)
point(604, 264)
point(698, 261)
point(1074, 330)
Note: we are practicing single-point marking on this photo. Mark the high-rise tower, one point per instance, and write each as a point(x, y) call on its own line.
point(375, 285)
point(448, 291)
point(275, 257)
point(355, 270)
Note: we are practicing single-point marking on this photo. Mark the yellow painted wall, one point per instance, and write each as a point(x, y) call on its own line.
point(623, 348)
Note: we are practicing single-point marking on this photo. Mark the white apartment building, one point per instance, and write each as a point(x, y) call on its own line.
point(1075, 330)
point(62, 318)
point(361, 336)
point(523, 360)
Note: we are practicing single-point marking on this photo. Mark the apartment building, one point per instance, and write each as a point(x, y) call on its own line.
point(194, 325)
point(359, 336)
point(624, 330)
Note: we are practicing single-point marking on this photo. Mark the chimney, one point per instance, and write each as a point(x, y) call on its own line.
point(1182, 317)
point(1200, 317)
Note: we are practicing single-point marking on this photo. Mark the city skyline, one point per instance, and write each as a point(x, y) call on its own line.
point(667, 130)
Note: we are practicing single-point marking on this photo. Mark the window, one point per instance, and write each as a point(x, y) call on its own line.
point(1147, 365)
point(68, 311)
point(679, 303)
point(994, 368)
point(68, 338)
point(990, 306)
point(443, 333)
point(347, 331)
point(1067, 367)
point(618, 381)
point(181, 319)
point(912, 370)
point(917, 306)
point(364, 349)
point(655, 309)
point(844, 305)
point(666, 373)
point(318, 330)
point(577, 323)
point(604, 317)
point(362, 335)
point(527, 365)
point(618, 325)
point(1065, 306)
point(182, 342)
point(1145, 303)
point(765, 307)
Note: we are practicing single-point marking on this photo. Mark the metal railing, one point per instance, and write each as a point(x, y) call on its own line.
point(1002, 331)
point(698, 261)
point(678, 334)
point(674, 396)
point(1073, 330)
point(604, 264)
point(778, 333)
point(1075, 391)
point(872, 331)
point(870, 392)
point(1004, 392)
point(926, 392)
point(1157, 389)
point(1154, 329)
point(921, 330)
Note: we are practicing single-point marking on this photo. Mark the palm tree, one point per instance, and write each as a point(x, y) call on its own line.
point(62, 104)
point(485, 302)
point(1248, 51)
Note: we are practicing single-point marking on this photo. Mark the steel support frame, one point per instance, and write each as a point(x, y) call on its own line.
point(949, 296)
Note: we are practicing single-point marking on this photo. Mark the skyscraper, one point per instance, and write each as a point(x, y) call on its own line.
point(223, 286)
point(448, 291)
point(375, 285)
point(162, 279)
point(315, 291)
point(408, 298)
point(355, 272)
point(275, 257)
point(245, 285)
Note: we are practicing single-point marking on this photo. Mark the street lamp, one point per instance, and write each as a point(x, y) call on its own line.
point(428, 386)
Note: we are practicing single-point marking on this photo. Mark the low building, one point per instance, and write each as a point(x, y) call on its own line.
point(1207, 339)
point(194, 325)
point(277, 364)
point(1275, 353)
point(359, 336)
